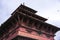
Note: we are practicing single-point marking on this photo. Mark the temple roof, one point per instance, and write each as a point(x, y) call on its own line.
point(28, 8)
point(29, 11)
point(7, 23)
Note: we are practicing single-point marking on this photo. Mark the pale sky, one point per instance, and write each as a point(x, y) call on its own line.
point(49, 9)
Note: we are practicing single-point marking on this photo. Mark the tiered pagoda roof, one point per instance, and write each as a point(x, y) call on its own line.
point(28, 12)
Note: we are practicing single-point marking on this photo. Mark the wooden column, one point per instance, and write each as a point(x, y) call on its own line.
point(47, 29)
point(27, 23)
point(51, 30)
point(19, 21)
point(38, 27)
point(42, 27)
point(33, 25)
